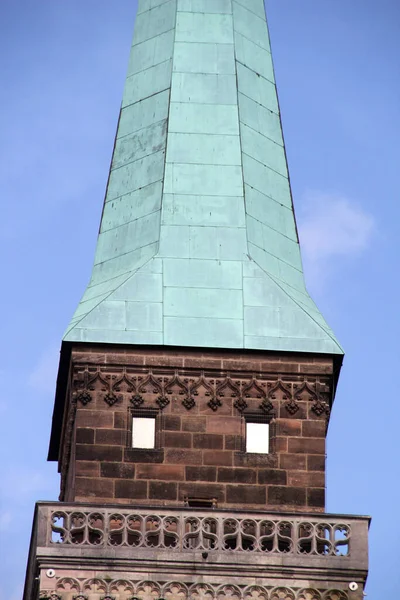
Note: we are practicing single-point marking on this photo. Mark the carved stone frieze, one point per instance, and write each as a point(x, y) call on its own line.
point(149, 387)
point(108, 589)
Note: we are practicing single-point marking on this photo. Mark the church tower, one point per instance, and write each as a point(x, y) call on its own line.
point(197, 375)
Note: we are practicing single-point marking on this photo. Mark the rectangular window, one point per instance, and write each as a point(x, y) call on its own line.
point(257, 437)
point(143, 432)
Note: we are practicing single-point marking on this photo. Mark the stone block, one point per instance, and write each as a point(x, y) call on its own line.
point(84, 436)
point(293, 461)
point(97, 452)
point(172, 423)
point(288, 427)
point(224, 425)
point(201, 473)
point(306, 445)
point(137, 455)
point(316, 498)
point(194, 424)
point(111, 437)
point(183, 457)
point(135, 490)
point(208, 441)
point(161, 490)
point(314, 429)
point(272, 477)
point(177, 439)
point(120, 420)
point(93, 488)
point(280, 444)
point(165, 472)
point(286, 496)
point(245, 459)
point(217, 458)
point(236, 475)
point(117, 470)
point(306, 479)
point(232, 442)
point(206, 491)
point(246, 494)
point(94, 418)
point(84, 468)
point(316, 462)
point(203, 362)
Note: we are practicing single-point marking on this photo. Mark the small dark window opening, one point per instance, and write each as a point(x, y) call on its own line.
point(201, 502)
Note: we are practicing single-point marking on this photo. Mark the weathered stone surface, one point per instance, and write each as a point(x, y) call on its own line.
point(200, 417)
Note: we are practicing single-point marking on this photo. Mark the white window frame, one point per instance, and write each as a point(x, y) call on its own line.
point(257, 436)
point(143, 432)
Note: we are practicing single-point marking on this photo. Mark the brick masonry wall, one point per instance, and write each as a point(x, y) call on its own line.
point(201, 401)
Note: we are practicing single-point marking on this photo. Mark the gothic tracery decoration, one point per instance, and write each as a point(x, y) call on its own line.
point(137, 400)
point(292, 407)
point(176, 590)
point(110, 398)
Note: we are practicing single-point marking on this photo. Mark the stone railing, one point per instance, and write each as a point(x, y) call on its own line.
point(189, 530)
point(68, 540)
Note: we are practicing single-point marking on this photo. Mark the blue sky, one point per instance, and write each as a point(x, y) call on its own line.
point(62, 75)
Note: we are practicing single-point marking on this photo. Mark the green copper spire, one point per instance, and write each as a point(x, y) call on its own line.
point(198, 243)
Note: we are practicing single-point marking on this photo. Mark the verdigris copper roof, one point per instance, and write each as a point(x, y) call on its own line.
point(198, 243)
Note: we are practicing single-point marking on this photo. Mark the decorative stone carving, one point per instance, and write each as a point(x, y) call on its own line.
point(255, 592)
point(175, 591)
point(188, 531)
point(282, 593)
point(162, 402)
point(178, 590)
point(68, 584)
point(84, 397)
point(319, 408)
point(305, 392)
point(229, 592)
point(201, 592)
point(149, 385)
point(176, 386)
point(214, 404)
point(94, 585)
point(158, 386)
point(253, 390)
point(137, 400)
point(266, 406)
point(308, 594)
point(227, 388)
point(122, 586)
point(292, 407)
point(278, 386)
point(123, 384)
point(335, 595)
point(189, 402)
point(240, 404)
point(110, 398)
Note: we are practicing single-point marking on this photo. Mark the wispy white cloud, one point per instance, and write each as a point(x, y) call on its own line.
point(43, 375)
point(331, 228)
